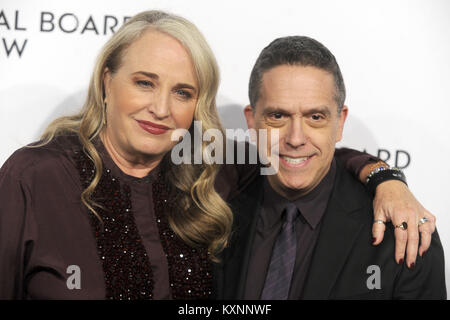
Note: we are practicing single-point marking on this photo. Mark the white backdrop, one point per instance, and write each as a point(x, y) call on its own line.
point(394, 55)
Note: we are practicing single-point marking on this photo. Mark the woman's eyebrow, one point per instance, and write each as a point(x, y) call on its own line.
point(147, 74)
point(156, 77)
point(186, 86)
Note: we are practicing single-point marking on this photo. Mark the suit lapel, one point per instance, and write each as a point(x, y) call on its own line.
point(340, 228)
point(246, 208)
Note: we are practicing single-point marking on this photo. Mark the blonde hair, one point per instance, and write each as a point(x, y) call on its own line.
point(205, 219)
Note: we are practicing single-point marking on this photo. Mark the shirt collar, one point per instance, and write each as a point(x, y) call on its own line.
point(312, 206)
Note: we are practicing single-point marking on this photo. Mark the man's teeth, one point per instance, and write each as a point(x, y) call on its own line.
point(295, 160)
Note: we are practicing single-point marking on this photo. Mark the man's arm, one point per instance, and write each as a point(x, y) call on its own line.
point(394, 202)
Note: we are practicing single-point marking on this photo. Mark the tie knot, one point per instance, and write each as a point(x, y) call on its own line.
point(291, 212)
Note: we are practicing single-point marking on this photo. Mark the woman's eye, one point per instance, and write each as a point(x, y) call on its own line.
point(144, 83)
point(183, 93)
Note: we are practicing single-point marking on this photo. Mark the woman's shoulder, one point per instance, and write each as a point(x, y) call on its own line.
point(239, 171)
point(39, 157)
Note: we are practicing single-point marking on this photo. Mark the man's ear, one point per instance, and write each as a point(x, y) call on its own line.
point(249, 116)
point(341, 122)
point(106, 78)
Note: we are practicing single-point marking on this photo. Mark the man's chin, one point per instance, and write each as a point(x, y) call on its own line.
point(295, 189)
point(293, 181)
point(290, 185)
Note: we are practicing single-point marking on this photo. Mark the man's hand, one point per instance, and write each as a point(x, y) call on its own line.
point(394, 202)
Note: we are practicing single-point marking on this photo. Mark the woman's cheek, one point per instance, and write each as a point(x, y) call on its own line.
point(184, 118)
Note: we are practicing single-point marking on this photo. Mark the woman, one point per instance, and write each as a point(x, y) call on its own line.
point(96, 209)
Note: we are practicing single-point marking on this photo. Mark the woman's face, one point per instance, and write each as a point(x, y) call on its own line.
point(153, 92)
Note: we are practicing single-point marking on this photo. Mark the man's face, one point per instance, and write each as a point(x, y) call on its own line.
point(300, 102)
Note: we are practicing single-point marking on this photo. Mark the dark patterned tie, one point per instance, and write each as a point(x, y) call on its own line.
point(281, 267)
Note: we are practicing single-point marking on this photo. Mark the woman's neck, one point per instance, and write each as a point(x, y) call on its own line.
point(137, 165)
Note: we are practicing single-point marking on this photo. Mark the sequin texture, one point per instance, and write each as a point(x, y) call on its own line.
point(189, 268)
point(126, 266)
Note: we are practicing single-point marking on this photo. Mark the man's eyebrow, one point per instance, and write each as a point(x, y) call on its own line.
point(275, 109)
point(320, 109)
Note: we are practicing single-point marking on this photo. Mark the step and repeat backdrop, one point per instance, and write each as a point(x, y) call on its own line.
point(394, 56)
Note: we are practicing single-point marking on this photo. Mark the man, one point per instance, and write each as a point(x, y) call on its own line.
point(304, 233)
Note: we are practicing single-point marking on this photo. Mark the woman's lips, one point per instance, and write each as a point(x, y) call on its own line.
point(152, 128)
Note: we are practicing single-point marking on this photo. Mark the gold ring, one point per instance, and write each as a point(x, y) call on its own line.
point(402, 225)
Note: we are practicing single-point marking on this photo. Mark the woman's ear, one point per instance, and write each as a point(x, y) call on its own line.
point(106, 83)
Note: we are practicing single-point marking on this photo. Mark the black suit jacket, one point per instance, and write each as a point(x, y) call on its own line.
point(341, 264)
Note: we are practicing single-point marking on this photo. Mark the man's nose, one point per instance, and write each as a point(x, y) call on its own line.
point(296, 136)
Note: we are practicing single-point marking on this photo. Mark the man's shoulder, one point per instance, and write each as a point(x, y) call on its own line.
point(350, 195)
point(346, 183)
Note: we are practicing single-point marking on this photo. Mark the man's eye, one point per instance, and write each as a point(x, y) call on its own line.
point(277, 115)
point(316, 117)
